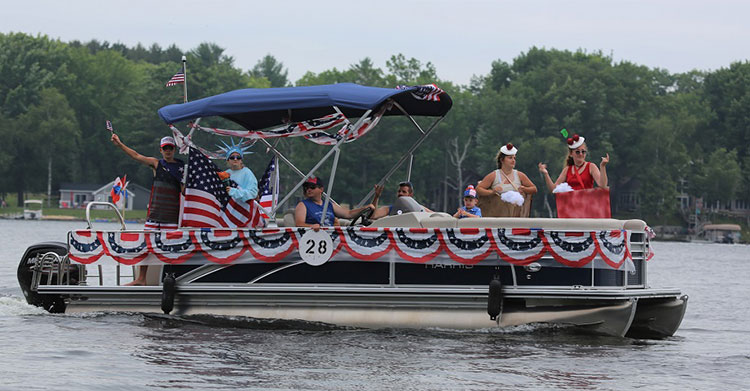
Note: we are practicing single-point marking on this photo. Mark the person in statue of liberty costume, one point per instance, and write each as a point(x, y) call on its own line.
point(247, 184)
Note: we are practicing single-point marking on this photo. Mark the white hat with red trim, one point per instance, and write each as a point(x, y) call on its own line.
point(167, 141)
point(575, 141)
point(508, 149)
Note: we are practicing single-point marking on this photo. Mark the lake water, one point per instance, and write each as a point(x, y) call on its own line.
point(711, 350)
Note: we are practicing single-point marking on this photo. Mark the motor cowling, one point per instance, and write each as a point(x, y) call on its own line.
point(25, 273)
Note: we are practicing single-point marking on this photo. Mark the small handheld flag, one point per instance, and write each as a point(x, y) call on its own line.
point(564, 132)
point(116, 190)
point(109, 127)
point(178, 78)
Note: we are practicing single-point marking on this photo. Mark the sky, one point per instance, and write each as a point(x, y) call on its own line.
point(460, 38)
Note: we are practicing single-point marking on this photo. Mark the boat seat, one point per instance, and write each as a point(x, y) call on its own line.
point(286, 221)
point(555, 224)
point(439, 220)
point(404, 220)
point(417, 220)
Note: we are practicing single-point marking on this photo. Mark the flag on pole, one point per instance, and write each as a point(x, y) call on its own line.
point(178, 78)
point(124, 193)
point(207, 203)
point(269, 188)
point(118, 192)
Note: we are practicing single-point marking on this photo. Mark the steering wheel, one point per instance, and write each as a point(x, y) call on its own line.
point(364, 214)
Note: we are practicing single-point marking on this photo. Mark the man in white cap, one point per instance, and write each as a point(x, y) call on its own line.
point(164, 202)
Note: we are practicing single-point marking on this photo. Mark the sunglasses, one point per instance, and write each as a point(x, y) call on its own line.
point(308, 186)
point(235, 157)
point(167, 147)
point(581, 152)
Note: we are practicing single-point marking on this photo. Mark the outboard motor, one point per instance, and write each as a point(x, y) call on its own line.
point(495, 298)
point(25, 275)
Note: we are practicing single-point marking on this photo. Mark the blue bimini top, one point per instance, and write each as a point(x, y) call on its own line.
point(258, 108)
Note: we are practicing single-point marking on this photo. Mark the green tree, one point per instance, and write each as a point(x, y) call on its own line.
point(720, 176)
point(47, 131)
point(27, 66)
point(273, 70)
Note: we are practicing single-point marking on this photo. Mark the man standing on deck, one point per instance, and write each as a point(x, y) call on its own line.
point(164, 202)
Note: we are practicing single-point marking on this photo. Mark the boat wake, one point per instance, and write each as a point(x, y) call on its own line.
point(15, 306)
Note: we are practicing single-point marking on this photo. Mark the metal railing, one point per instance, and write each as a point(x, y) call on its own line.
point(102, 203)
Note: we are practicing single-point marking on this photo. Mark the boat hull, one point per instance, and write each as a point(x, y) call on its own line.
point(589, 273)
point(607, 312)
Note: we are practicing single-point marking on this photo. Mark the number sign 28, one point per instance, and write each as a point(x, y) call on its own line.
point(315, 248)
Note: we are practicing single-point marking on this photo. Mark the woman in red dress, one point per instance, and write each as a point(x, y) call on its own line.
point(578, 173)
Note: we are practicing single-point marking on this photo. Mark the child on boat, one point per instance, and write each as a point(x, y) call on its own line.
point(470, 208)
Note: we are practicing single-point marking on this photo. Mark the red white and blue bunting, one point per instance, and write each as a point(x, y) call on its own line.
point(467, 246)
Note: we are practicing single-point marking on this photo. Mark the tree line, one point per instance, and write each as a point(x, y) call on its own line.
point(665, 132)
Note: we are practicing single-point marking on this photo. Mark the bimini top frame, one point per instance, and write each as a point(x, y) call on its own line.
point(309, 112)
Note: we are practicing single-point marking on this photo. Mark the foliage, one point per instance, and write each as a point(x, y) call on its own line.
point(660, 129)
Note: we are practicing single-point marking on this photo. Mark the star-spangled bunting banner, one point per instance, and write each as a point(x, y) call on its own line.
point(467, 246)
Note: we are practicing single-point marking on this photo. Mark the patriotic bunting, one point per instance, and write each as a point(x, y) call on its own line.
point(468, 246)
point(315, 130)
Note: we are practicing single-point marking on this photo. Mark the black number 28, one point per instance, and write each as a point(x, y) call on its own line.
point(322, 247)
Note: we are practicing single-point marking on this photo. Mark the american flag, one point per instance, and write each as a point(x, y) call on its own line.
point(207, 203)
point(178, 78)
point(269, 188)
point(429, 92)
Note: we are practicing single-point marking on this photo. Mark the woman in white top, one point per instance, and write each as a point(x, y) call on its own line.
point(506, 178)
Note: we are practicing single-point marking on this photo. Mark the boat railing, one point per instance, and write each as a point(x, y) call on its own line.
point(542, 273)
point(53, 268)
point(107, 204)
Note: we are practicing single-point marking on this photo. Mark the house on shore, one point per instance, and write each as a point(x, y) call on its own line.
point(78, 195)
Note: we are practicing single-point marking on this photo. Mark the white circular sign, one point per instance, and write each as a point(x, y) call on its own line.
point(315, 248)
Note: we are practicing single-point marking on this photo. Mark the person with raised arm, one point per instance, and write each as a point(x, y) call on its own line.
point(164, 202)
point(577, 172)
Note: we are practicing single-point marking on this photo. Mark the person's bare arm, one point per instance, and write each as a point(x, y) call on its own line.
point(603, 180)
point(300, 212)
point(548, 180)
point(527, 186)
point(149, 161)
point(376, 198)
point(484, 187)
point(380, 212)
point(340, 211)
